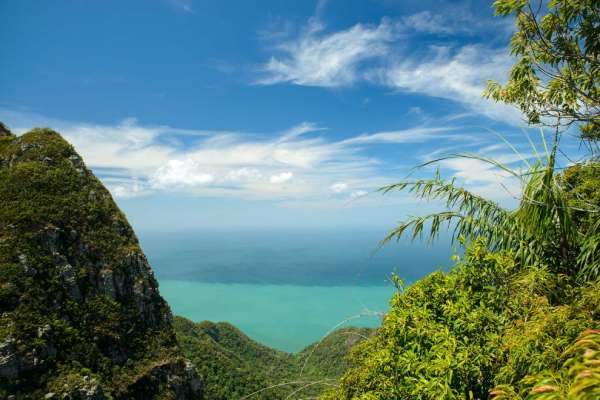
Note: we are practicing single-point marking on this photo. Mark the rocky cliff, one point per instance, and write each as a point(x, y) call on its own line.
point(81, 315)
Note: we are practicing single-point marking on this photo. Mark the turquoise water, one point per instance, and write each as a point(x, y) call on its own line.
point(286, 317)
point(285, 288)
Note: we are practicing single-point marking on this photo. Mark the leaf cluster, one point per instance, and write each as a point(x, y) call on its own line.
point(556, 76)
point(488, 324)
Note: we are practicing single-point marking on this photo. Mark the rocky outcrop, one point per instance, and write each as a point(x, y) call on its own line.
point(81, 314)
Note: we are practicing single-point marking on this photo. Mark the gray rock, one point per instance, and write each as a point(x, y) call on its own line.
point(27, 267)
point(194, 378)
point(77, 163)
point(68, 275)
point(42, 330)
point(10, 363)
point(90, 390)
point(106, 283)
point(184, 382)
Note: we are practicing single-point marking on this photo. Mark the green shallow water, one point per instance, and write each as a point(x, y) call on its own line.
point(285, 317)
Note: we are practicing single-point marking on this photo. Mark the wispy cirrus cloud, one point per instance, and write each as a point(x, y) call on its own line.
point(413, 135)
point(381, 55)
point(461, 22)
point(453, 74)
point(327, 60)
point(339, 187)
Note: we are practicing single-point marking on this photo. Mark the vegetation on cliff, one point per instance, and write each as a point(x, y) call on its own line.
point(81, 315)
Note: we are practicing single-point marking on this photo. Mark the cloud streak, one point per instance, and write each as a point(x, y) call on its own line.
point(382, 55)
point(459, 75)
point(317, 59)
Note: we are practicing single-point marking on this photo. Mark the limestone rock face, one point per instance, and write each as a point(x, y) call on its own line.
point(81, 316)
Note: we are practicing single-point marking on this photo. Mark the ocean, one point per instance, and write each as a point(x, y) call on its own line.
point(286, 288)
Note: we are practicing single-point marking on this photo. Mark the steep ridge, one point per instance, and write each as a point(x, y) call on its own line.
point(81, 315)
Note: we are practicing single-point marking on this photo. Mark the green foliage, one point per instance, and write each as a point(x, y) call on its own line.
point(546, 230)
point(581, 183)
point(328, 357)
point(234, 366)
point(579, 379)
point(231, 364)
point(488, 322)
point(557, 73)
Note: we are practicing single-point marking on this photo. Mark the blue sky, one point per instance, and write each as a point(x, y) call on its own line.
point(209, 114)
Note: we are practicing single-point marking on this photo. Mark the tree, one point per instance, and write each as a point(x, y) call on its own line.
point(556, 78)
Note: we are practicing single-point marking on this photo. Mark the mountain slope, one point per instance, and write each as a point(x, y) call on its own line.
point(235, 366)
point(81, 315)
point(232, 365)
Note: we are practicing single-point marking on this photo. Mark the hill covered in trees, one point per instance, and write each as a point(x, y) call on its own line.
point(234, 366)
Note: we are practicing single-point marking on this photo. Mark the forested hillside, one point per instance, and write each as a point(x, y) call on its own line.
point(234, 366)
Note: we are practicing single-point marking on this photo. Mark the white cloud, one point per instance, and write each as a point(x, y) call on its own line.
point(380, 55)
point(473, 171)
point(454, 75)
point(428, 22)
point(339, 187)
point(180, 173)
point(414, 135)
point(358, 193)
point(126, 188)
point(316, 59)
point(298, 130)
point(244, 174)
point(282, 177)
point(459, 20)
